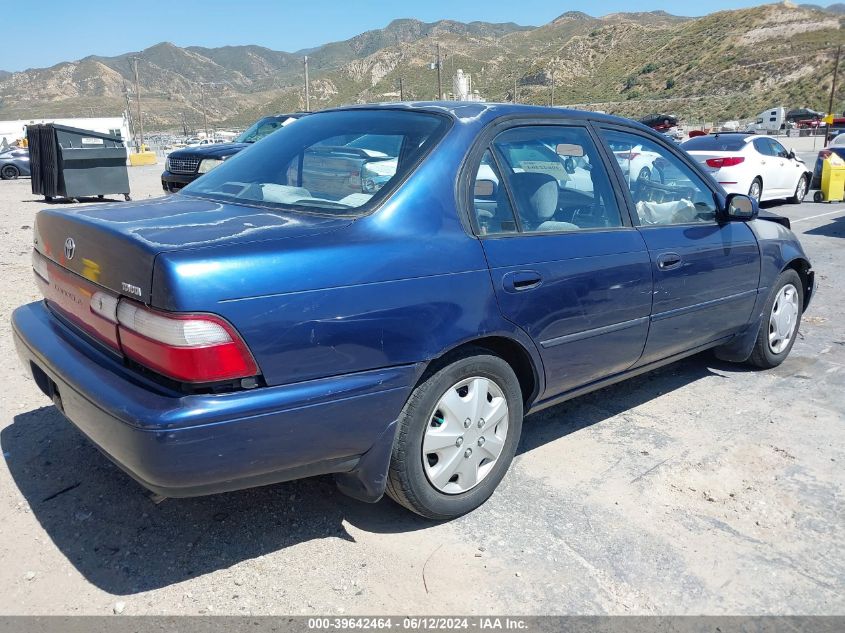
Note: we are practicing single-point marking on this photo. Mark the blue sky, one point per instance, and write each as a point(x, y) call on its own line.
point(66, 31)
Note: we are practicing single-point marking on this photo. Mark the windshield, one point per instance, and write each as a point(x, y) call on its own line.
point(715, 142)
point(334, 162)
point(263, 127)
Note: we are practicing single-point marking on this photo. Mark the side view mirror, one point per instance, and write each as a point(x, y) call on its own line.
point(569, 166)
point(740, 208)
point(484, 188)
point(790, 155)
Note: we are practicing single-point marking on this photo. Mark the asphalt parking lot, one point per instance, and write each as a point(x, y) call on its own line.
point(704, 487)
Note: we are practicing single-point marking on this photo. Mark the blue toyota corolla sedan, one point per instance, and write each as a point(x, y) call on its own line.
point(383, 292)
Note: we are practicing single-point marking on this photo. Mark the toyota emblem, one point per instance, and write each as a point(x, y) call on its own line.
point(70, 248)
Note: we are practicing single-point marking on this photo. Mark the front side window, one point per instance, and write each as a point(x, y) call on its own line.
point(665, 190)
point(778, 149)
point(334, 163)
point(554, 179)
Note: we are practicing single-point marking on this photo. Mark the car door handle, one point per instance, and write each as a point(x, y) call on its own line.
point(518, 280)
point(668, 261)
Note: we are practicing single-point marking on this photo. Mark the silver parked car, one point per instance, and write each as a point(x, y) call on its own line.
point(14, 162)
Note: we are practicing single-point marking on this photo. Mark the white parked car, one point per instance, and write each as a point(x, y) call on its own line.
point(637, 163)
point(756, 165)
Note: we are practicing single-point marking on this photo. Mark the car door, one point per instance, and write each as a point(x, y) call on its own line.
point(789, 169)
point(771, 167)
point(566, 264)
point(705, 272)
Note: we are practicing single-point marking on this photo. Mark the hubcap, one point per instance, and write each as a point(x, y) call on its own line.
point(755, 190)
point(802, 189)
point(784, 319)
point(449, 466)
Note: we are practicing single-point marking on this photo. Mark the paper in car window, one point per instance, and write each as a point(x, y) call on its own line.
point(552, 168)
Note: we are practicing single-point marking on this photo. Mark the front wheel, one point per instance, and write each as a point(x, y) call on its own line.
point(456, 437)
point(800, 191)
point(781, 318)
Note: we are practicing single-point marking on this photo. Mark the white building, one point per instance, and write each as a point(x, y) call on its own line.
point(462, 87)
point(11, 131)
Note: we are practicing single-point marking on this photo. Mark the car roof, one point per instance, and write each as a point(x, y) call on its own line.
point(484, 112)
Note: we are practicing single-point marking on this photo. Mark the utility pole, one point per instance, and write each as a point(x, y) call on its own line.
point(552, 102)
point(307, 87)
point(832, 91)
point(514, 87)
point(204, 111)
point(138, 99)
point(401, 90)
point(130, 119)
point(439, 79)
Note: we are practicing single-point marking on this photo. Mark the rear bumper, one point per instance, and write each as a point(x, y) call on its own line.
point(173, 182)
point(181, 445)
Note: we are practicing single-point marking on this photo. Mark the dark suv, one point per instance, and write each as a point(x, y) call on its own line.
point(186, 165)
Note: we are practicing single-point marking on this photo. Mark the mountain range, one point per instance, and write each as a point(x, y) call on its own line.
point(726, 65)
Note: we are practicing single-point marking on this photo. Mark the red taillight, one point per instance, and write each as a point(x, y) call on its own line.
point(628, 155)
point(185, 347)
point(728, 161)
point(194, 348)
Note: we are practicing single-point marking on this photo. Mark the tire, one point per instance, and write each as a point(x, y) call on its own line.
point(800, 191)
point(644, 175)
point(411, 482)
point(765, 354)
point(9, 172)
point(818, 197)
point(756, 185)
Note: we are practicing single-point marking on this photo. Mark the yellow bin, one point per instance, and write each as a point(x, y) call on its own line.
point(142, 158)
point(833, 180)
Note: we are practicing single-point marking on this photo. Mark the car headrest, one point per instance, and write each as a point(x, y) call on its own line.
point(536, 195)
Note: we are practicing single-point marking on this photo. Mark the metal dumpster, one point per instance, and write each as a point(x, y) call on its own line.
point(832, 188)
point(72, 163)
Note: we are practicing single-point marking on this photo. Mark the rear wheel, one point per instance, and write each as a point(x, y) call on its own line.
point(756, 189)
point(9, 172)
point(457, 435)
point(782, 316)
point(800, 190)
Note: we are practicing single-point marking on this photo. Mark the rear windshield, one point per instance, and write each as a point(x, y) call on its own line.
point(263, 127)
point(716, 142)
point(336, 163)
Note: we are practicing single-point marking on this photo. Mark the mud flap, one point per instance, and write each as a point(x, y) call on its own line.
point(367, 481)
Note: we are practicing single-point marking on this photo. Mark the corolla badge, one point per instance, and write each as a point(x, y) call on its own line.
point(70, 248)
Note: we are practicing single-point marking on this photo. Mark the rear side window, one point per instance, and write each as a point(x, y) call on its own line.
point(552, 177)
point(333, 163)
point(763, 146)
point(716, 143)
point(493, 211)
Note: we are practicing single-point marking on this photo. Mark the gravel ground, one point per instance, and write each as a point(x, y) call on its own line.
point(703, 487)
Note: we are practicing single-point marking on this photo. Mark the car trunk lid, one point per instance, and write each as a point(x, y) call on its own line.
point(114, 246)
